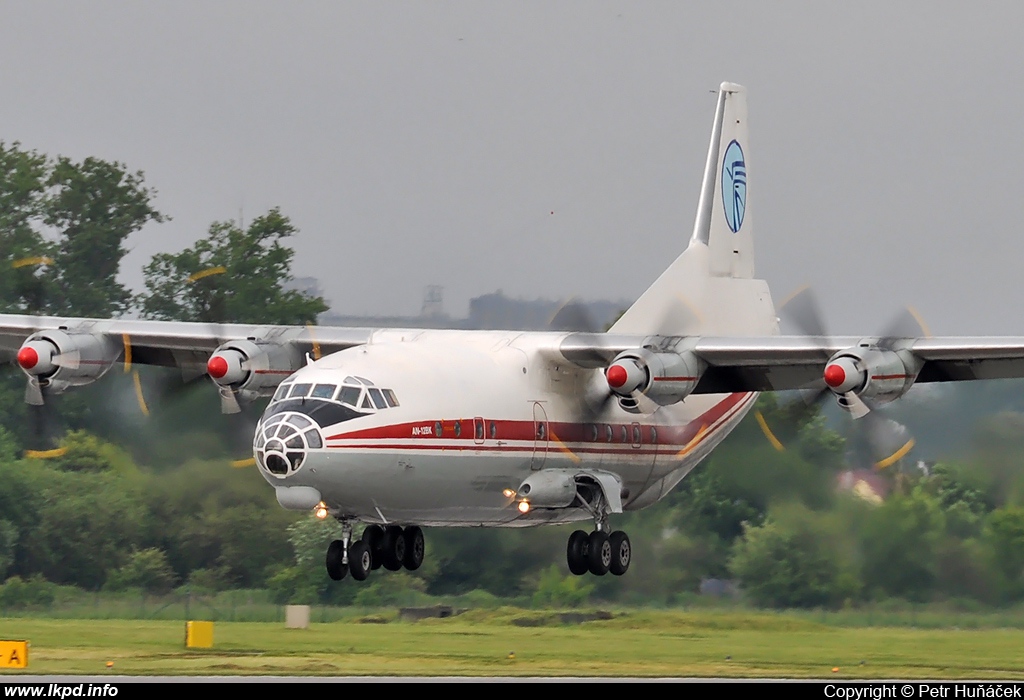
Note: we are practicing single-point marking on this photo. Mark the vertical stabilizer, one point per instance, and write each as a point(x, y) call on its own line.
point(710, 288)
point(723, 216)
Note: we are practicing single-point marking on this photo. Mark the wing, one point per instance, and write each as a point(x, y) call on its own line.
point(872, 368)
point(244, 360)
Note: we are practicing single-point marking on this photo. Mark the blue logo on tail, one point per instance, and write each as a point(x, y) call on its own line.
point(734, 186)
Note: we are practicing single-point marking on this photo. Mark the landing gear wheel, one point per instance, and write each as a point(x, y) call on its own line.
point(414, 548)
point(576, 553)
point(360, 561)
point(622, 552)
point(599, 556)
point(373, 536)
point(393, 548)
point(336, 566)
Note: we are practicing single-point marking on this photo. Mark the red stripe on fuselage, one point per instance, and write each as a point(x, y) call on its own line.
point(526, 430)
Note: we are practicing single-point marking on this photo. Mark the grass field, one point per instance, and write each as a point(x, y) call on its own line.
point(525, 643)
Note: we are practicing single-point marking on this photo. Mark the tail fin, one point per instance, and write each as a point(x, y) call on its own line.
point(710, 287)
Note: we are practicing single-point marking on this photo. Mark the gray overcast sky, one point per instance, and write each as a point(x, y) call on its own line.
point(417, 143)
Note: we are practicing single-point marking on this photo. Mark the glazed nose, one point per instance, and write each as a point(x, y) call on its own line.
point(282, 442)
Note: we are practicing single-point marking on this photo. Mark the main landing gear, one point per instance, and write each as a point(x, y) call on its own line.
point(598, 552)
point(392, 547)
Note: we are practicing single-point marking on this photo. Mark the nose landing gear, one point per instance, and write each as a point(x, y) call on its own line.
point(392, 547)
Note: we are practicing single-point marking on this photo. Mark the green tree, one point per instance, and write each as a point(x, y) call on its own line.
point(206, 515)
point(93, 206)
point(146, 569)
point(23, 176)
point(900, 541)
point(1004, 532)
point(558, 590)
point(231, 276)
point(792, 562)
point(90, 524)
point(8, 541)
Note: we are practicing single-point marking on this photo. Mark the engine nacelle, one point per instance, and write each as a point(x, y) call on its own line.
point(870, 372)
point(253, 367)
point(664, 377)
point(58, 359)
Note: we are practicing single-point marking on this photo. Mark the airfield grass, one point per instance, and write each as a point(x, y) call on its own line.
point(512, 642)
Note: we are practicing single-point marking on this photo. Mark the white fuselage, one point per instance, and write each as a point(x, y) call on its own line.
point(476, 414)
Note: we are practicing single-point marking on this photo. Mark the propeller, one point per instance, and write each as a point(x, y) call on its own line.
point(889, 441)
point(624, 379)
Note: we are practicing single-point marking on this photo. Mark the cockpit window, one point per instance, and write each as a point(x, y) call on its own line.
point(356, 392)
point(323, 391)
point(378, 399)
point(350, 395)
point(299, 390)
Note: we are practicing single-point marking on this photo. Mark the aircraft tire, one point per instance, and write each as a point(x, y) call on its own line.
point(415, 547)
point(336, 566)
point(622, 552)
point(360, 561)
point(373, 536)
point(599, 553)
point(393, 548)
point(576, 553)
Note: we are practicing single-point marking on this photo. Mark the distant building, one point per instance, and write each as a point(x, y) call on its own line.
point(493, 311)
point(433, 302)
point(310, 286)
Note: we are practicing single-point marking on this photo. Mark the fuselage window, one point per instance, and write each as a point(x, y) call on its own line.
point(608, 434)
point(636, 435)
point(390, 396)
point(625, 435)
point(458, 428)
point(299, 390)
point(593, 433)
point(378, 399)
point(323, 391)
point(478, 429)
point(438, 428)
point(350, 395)
point(493, 429)
point(654, 436)
point(542, 431)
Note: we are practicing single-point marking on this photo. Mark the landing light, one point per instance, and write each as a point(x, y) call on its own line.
point(320, 511)
point(524, 507)
point(508, 493)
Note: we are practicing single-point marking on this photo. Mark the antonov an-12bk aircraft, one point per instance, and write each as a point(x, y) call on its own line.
point(399, 429)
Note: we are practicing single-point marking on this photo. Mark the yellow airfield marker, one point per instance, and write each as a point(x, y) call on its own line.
point(14, 653)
